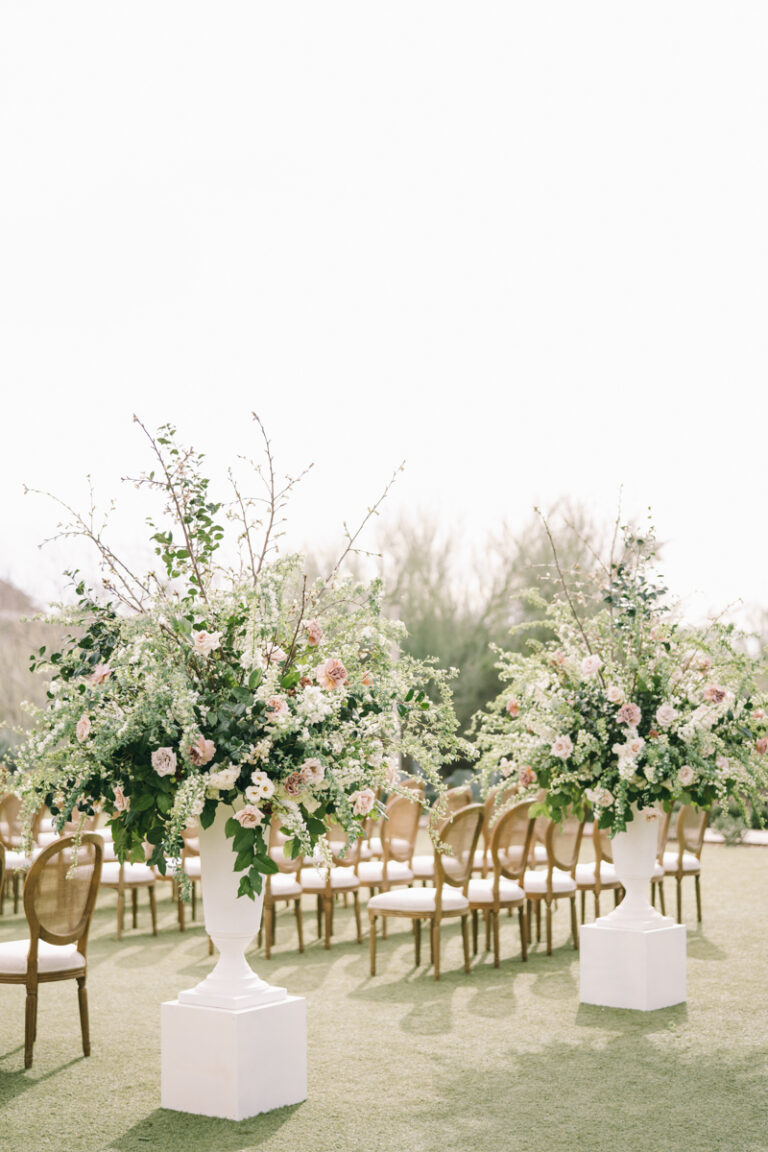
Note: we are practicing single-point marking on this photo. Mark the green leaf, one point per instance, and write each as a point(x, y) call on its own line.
point(143, 803)
point(245, 888)
point(244, 859)
point(207, 816)
point(265, 863)
point(164, 802)
point(244, 838)
point(231, 827)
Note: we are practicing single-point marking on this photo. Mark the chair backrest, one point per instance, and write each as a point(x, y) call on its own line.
point(691, 826)
point(399, 828)
point(456, 798)
point(663, 835)
point(603, 847)
point(460, 833)
point(276, 850)
point(495, 802)
point(11, 832)
point(563, 841)
point(511, 841)
point(2, 867)
point(61, 887)
point(344, 851)
point(414, 782)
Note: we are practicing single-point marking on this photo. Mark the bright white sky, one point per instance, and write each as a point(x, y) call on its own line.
point(522, 246)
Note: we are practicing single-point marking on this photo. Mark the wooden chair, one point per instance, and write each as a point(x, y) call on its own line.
point(16, 862)
point(284, 885)
point(341, 877)
point(496, 801)
point(509, 850)
point(686, 861)
point(399, 828)
point(129, 878)
point(460, 834)
point(657, 880)
point(453, 800)
point(58, 902)
point(598, 875)
point(370, 848)
point(562, 842)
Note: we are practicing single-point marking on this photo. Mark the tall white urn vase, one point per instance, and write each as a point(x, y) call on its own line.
point(634, 957)
point(231, 921)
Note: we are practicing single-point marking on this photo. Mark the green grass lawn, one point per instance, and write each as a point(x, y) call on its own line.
point(496, 1060)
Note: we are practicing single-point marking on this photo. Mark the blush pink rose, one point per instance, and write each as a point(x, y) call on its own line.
point(363, 801)
point(665, 714)
point(331, 675)
point(615, 694)
point(715, 692)
point(202, 752)
point(512, 707)
point(250, 816)
point(562, 747)
point(83, 728)
point(685, 775)
point(367, 679)
point(276, 706)
point(206, 642)
point(590, 666)
point(315, 633)
point(630, 715)
point(761, 745)
point(758, 714)
point(295, 784)
point(164, 761)
point(100, 674)
point(527, 776)
point(312, 771)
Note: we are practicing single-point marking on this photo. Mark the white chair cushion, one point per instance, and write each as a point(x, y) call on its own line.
point(50, 957)
point(315, 879)
point(418, 900)
point(14, 860)
point(423, 867)
point(284, 886)
point(192, 867)
point(372, 872)
point(690, 863)
point(536, 882)
point(585, 874)
point(540, 853)
point(480, 891)
point(134, 874)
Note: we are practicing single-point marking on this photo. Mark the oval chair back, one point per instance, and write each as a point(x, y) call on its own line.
point(690, 828)
point(399, 829)
point(511, 841)
point(277, 852)
point(563, 842)
point(460, 833)
point(60, 890)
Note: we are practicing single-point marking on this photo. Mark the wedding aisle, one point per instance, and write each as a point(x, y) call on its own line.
point(500, 1059)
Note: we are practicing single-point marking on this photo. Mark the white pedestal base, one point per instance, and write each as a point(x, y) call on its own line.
point(233, 1065)
point(627, 968)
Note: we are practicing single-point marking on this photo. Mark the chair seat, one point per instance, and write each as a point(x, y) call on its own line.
point(15, 860)
point(372, 872)
point(284, 886)
point(585, 875)
point(316, 879)
point(540, 853)
point(50, 957)
point(418, 900)
point(480, 891)
point(535, 883)
point(134, 874)
point(423, 867)
point(690, 862)
point(192, 867)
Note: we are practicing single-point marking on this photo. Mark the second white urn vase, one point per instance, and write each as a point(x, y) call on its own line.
point(634, 957)
point(231, 921)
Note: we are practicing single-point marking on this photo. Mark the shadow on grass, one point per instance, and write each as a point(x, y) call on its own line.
point(179, 1130)
point(12, 1084)
point(639, 1091)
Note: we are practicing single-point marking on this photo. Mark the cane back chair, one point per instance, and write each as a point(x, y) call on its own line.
point(509, 849)
point(686, 861)
point(562, 841)
point(59, 897)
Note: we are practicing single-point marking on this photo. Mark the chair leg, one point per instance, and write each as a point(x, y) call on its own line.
point(299, 924)
point(487, 918)
point(436, 947)
point(662, 902)
point(417, 940)
point(549, 924)
point(574, 923)
point(356, 895)
point(319, 916)
point(523, 931)
point(120, 912)
point(30, 1026)
point(495, 917)
point(269, 912)
point(180, 909)
point(15, 893)
point(530, 921)
point(328, 913)
point(697, 879)
point(82, 1000)
point(152, 907)
point(194, 900)
point(538, 920)
point(597, 906)
point(465, 940)
point(679, 899)
point(372, 938)
point(134, 907)
point(474, 931)
point(584, 904)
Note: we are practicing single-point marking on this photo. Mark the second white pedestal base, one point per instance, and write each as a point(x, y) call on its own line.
point(216, 1062)
point(624, 968)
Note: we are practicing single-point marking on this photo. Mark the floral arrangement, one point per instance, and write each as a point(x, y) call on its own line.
point(251, 687)
point(627, 705)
